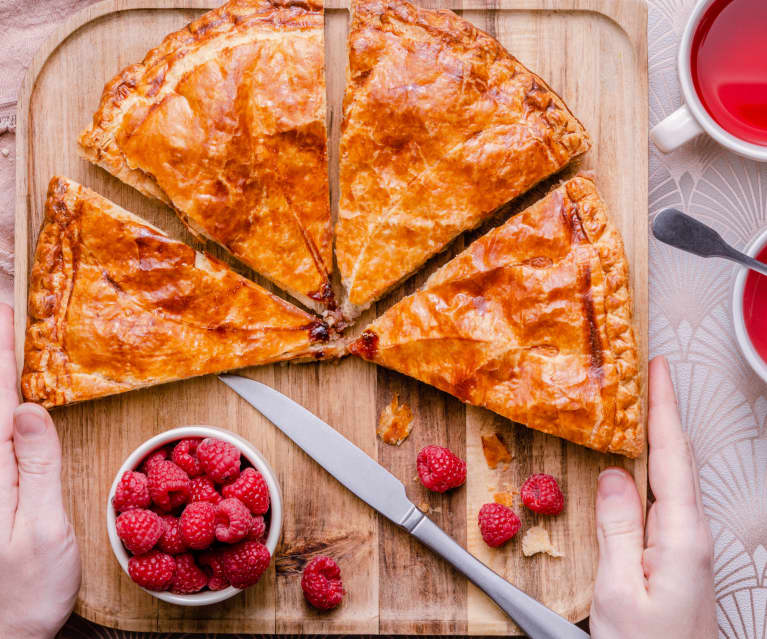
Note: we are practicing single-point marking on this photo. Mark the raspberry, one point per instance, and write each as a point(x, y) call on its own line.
point(189, 576)
point(257, 528)
point(244, 563)
point(541, 494)
point(220, 460)
point(139, 530)
point(169, 486)
point(213, 563)
point(171, 540)
point(497, 523)
point(204, 490)
point(251, 489)
point(321, 583)
point(198, 525)
point(132, 492)
point(439, 469)
point(160, 454)
point(183, 457)
point(153, 571)
point(233, 520)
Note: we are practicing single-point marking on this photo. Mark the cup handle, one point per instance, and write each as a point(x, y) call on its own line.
point(675, 130)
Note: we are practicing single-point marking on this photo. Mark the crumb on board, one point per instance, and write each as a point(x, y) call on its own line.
point(504, 498)
point(424, 507)
point(395, 423)
point(537, 540)
point(437, 509)
point(495, 450)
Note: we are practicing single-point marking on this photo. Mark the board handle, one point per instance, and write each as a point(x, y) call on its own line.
point(535, 619)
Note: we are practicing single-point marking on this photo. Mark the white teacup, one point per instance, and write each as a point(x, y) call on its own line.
point(692, 119)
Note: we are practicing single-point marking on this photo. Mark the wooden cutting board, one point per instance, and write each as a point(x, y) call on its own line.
point(594, 53)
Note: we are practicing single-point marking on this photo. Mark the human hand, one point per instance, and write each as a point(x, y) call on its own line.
point(656, 582)
point(39, 558)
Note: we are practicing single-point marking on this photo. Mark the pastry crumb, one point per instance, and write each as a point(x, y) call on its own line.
point(504, 498)
point(537, 540)
point(437, 509)
point(424, 507)
point(395, 423)
point(495, 450)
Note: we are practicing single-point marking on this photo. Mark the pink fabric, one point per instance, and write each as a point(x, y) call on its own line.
point(24, 25)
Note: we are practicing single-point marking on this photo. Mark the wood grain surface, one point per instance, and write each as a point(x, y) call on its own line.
point(593, 52)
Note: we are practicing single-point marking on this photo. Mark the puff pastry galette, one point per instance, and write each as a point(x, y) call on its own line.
point(441, 127)
point(115, 304)
point(533, 321)
point(225, 122)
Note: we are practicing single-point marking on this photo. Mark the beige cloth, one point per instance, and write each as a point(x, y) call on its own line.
point(24, 25)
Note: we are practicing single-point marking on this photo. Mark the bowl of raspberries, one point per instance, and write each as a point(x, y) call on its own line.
point(194, 515)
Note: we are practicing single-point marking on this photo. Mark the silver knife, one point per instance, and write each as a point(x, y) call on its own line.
point(377, 487)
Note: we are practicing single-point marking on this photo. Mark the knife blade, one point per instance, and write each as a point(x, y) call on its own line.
point(377, 487)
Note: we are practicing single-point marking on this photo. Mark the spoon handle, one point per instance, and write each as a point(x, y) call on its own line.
point(684, 232)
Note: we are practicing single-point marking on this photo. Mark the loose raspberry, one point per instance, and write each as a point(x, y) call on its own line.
point(321, 583)
point(213, 564)
point(244, 563)
point(183, 457)
point(497, 523)
point(204, 490)
point(251, 489)
point(541, 494)
point(439, 469)
point(153, 571)
point(132, 492)
point(220, 460)
point(160, 454)
point(139, 530)
point(233, 521)
point(257, 528)
point(198, 525)
point(189, 576)
point(171, 540)
point(169, 486)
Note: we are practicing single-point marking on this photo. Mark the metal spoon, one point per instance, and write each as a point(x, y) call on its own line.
point(684, 232)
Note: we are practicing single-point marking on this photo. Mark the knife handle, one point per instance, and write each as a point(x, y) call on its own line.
point(535, 619)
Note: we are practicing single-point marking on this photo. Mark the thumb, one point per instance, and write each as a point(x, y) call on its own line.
point(620, 529)
point(38, 455)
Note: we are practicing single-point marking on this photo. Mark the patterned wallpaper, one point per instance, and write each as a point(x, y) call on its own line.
point(723, 403)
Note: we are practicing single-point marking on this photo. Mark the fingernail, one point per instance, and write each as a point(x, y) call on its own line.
point(30, 422)
point(611, 482)
point(665, 364)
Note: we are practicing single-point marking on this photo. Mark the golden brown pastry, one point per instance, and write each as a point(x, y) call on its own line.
point(441, 127)
point(115, 304)
point(533, 321)
point(225, 122)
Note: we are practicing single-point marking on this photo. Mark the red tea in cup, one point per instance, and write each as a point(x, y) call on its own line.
point(728, 61)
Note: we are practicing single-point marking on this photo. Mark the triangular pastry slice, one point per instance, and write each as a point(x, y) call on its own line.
point(115, 304)
point(533, 321)
point(225, 122)
point(441, 127)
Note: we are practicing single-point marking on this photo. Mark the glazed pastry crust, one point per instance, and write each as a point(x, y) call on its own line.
point(533, 321)
point(115, 305)
point(441, 127)
point(225, 122)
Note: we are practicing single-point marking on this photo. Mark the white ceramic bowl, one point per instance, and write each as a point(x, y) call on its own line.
point(744, 340)
point(249, 452)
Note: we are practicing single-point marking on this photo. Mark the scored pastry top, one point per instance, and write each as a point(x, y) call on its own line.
point(225, 122)
point(441, 127)
point(533, 321)
point(115, 304)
